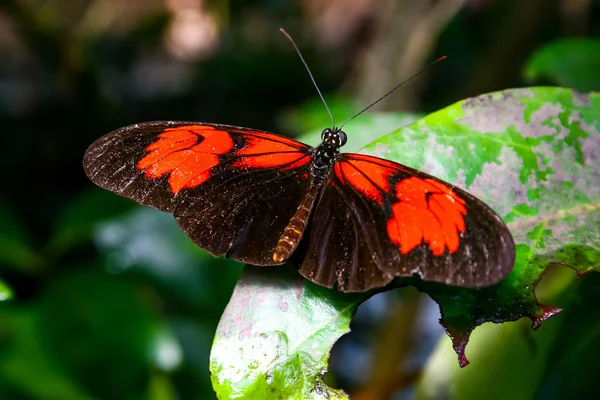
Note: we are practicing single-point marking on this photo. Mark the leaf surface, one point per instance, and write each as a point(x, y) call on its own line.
point(531, 154)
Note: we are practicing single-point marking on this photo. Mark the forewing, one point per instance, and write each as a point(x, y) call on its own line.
point(232, 190)
point(392, 220)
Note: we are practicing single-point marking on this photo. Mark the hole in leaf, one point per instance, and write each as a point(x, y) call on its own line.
point(392, 335)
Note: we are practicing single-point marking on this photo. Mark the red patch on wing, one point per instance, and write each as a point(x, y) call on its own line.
point(427, 211)
point(264, 150)
point(369, 175)
point(187, 153)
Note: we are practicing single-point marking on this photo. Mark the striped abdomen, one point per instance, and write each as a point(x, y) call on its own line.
point(293, 232)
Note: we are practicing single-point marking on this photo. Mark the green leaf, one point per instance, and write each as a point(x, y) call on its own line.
point(274, 338)
point(90, 208)
point(531, 154)
point(572, 62)
point(106, 321)
point(147, 245)
point(26, 367)
point(552, 360)
point(508, 363)
point(5, 291)
point(149, 242)
point(16, 250)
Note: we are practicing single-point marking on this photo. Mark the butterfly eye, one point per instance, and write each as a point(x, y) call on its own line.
point(343, 138)
point(325, 134)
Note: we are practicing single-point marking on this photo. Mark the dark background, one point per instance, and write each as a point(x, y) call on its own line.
point(110, 300)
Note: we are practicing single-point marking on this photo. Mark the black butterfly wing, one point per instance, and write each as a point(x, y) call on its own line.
point(377, 220)
point(232, 190)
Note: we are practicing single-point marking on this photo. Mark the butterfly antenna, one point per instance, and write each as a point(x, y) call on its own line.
point(394, 89)
point(310, 74)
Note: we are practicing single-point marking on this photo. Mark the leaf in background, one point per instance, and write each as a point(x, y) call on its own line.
point(572, 62)
point(5, 291)
point(15, 245)
point(27, 370)
point(149, 242)
point(531, 154)
point(92, 320)
point(91, 207)
point(575, 351)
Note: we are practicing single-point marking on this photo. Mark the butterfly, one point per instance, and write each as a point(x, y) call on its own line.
point(350, 221)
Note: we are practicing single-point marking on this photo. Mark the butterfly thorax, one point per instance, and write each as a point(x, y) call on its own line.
point(327, 153)
point(323, 158)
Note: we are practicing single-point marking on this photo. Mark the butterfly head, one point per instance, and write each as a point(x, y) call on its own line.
point(334, 138)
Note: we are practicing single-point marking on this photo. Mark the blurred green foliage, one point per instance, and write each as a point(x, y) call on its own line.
point(110, 300)
point(571, 63)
